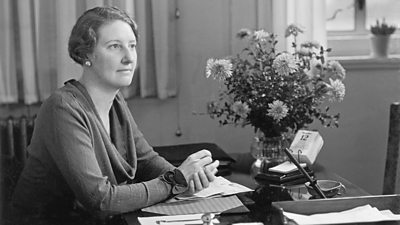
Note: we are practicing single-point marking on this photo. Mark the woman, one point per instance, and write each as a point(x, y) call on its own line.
point(87, 154)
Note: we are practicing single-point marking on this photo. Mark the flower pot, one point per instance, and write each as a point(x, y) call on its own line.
point(268, 152)
point(379, 46)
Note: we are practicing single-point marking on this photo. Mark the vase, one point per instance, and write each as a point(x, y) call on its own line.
point(268, 152)
point(379, 46)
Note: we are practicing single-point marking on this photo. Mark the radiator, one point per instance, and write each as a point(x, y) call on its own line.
point(15, 136)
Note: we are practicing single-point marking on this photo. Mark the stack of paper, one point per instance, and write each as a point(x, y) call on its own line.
point(219, 187)
point(365, 213)
point(286, 167)
point(207, 205)
point(218, 197)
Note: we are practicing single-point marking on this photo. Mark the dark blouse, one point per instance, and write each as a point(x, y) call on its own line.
point(74, 164)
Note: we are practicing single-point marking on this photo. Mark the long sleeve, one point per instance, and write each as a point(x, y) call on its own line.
point(72, 159)
point(72, 147)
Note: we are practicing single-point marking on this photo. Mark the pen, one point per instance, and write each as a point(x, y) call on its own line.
point(312, 182)
point(175, 221)
point(207, 216)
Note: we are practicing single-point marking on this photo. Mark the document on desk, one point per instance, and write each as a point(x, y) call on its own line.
point(219, 187)
point(365, 213)
point(218, 197)
point(206, 205)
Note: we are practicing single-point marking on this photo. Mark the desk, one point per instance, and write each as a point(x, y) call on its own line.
point(259, 201)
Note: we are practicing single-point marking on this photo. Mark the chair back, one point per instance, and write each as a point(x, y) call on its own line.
point(391, 180)
point(15, 136)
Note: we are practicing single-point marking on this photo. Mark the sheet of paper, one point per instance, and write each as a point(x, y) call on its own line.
point(173, 220)
point(249, 223)
point(207, 205)
point(390, 214)
point(219, 187)
point(359, 214)
point(285, 167)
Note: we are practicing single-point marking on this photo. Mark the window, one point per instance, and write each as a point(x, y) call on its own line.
point(340, 15)
point(348, 23)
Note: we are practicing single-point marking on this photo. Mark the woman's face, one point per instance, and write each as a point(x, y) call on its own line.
point(114, 57)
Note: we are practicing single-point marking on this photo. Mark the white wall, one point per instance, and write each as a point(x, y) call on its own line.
point(357, 149)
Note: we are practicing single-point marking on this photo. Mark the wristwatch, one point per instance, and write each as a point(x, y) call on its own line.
point(176, 179)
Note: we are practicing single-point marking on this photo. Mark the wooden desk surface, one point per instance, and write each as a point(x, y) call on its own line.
point(260, 209)
point(321, 173)
point(352, 190)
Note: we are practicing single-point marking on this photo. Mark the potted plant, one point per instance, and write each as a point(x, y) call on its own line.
point(276, 92)
point(380, 38)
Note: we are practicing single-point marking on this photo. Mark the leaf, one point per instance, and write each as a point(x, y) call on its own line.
point(255, 81)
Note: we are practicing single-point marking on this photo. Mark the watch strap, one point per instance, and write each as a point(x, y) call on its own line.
point(177, 181)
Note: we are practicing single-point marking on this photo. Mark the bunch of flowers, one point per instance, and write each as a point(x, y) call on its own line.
point(276, 92)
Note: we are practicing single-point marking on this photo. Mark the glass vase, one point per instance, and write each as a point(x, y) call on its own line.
point(268, 152)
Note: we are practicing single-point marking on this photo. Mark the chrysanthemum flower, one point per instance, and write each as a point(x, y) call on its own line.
point(266, 88)
point(212, 107)
point(219, 69)
point(293, 29)
point(240, 108)
point(261, 35)
point(336, 90)
point(277, 110)
point(304, 51)
point(335, 70)
point(243, 33)
point(310, 44)
point(284, 64)
point(315, 68)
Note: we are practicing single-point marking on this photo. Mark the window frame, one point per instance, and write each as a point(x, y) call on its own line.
point(357, 42)
point(359, 21)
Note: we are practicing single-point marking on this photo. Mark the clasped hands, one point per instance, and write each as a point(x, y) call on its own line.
point(199, 170)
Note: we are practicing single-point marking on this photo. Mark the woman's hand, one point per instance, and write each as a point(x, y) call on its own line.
point(203, 178)
point(199, 170)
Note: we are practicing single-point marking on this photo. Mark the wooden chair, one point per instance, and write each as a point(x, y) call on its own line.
point(391, 180)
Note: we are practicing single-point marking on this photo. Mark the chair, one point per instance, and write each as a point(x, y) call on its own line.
point(15, 136)
point(391, 180)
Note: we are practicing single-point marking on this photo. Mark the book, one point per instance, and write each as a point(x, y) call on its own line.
point(176, 154)
point(290, 178)
point(286, 167)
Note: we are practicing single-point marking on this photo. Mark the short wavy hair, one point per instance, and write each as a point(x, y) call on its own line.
point(84, 34)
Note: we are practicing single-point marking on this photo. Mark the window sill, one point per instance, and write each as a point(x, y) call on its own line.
point(356, 45)
point(368, 62)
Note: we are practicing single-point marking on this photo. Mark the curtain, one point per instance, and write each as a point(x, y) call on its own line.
point(34, 40)
point(308, 14)
point(156, 50)
point(8, 83)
